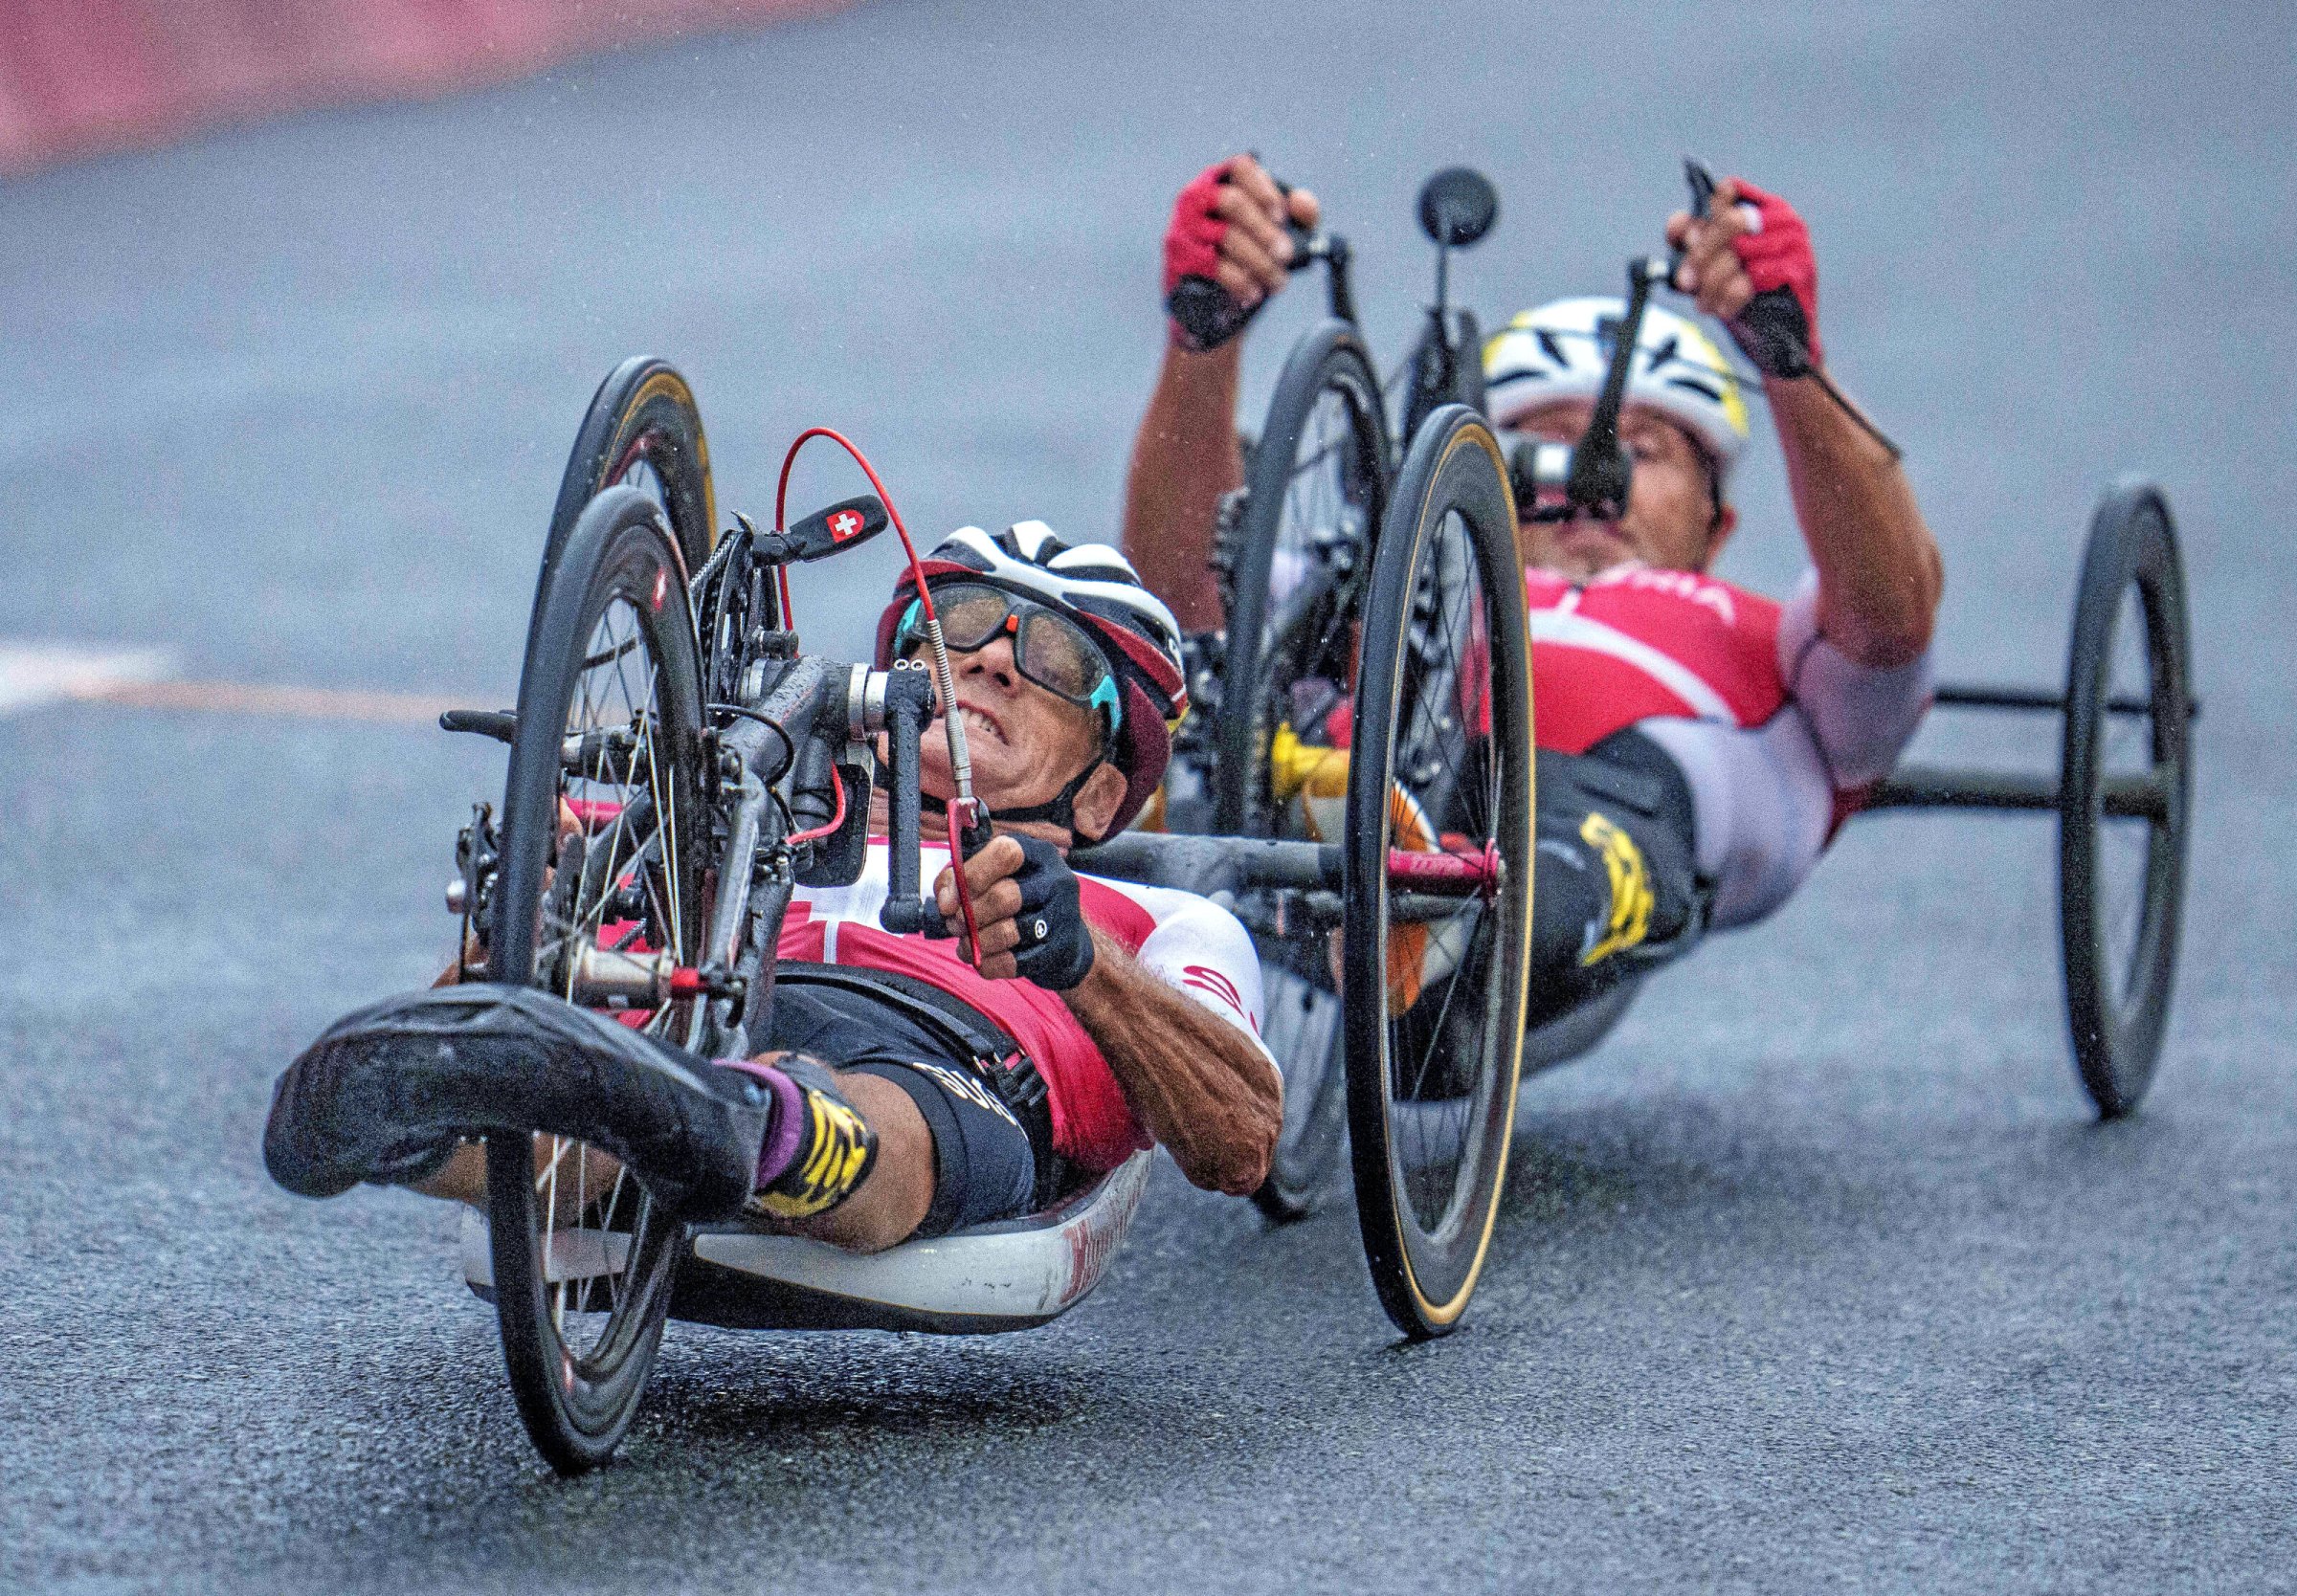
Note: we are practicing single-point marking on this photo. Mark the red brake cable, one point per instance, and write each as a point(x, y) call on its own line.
point(964, 810)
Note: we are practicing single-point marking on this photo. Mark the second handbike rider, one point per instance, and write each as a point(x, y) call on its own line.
point(1698, 743)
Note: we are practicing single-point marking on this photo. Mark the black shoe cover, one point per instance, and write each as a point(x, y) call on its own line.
point(384, 1094)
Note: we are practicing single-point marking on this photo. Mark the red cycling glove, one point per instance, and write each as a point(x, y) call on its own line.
point(1204, 315)
point(1781, 324)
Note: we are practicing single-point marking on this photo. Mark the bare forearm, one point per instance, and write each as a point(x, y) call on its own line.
point(1184, 459)
point(1199, 1085)
point(1879, 576)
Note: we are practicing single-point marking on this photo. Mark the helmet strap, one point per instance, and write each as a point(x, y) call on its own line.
point(1060, 808)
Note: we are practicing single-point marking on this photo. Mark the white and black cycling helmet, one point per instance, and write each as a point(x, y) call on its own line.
point(1561, 350)
point(1096, 587)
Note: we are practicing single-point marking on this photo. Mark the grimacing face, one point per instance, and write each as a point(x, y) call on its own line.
point(1026, 743)
point(1671, 521)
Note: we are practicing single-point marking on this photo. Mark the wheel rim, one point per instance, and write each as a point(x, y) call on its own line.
point(583, 1257)
point(2131, 851)
point(1324, 526)
point(1317, 490)
point(1441, 759)
point(1317, 493)
point(1441, 1036)
point(1302, 1031)
point(623, 855)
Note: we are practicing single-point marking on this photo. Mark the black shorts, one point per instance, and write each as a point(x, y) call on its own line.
point(1615, 888)
point(984, 1164)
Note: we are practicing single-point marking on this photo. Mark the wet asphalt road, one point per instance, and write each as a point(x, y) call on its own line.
point(1819, 1276)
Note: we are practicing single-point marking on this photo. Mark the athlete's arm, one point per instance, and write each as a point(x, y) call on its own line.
point(1198, 1081)
point(1880, 575)
point(1228, 225)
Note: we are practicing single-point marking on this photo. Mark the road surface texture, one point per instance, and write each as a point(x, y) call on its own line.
point(1819, 1275)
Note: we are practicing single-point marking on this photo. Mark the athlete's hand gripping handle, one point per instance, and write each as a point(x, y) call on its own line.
point(1234, 240)
point(1750, 264)
point(1031, 914)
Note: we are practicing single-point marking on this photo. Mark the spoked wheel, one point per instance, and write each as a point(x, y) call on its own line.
point(2125, 794)
point(1317, 489)
point(1314, 494)
point(642, 430)
point(1437, 977)
point(1303, 1032)
point(601, 855)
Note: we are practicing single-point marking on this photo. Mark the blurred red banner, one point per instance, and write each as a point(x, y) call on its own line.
point(82, 76)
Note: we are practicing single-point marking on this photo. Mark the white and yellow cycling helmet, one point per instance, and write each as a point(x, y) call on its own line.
point(1560, 351)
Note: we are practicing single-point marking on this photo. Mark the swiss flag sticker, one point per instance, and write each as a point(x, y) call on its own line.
point(844, 525)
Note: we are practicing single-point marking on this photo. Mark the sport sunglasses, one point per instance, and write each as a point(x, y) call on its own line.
point(1050, 650)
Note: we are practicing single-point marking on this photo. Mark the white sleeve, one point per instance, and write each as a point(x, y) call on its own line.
point(1204, 952)
point(1861, 718)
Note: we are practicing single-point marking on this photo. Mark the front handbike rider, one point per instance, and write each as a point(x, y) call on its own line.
point(1699, 743)
point(910, 1088)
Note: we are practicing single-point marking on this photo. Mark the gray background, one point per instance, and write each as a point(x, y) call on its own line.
point(1818, 1275)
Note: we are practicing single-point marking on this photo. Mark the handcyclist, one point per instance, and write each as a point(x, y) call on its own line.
point(1698, 743)
point(911, 1085)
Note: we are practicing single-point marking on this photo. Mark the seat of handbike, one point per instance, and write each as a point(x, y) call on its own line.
point(1011, 1274)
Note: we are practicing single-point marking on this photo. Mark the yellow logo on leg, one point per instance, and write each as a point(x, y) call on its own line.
point(1630, 888)
point(836, 1158)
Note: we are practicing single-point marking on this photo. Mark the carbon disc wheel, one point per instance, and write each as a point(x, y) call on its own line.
point(2125, 794)
point(602, 840)
point(1441, 762)
point(1315, 490)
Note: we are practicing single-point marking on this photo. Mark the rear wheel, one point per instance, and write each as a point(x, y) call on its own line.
point(2125, 794)
point(602, 841)
point(1440, 761)
point(1315, 489)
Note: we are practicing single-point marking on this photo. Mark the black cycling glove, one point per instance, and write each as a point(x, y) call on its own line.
point(1056, 949)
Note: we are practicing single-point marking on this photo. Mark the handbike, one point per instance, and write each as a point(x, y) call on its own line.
point(677, 768)
point(1292, 554)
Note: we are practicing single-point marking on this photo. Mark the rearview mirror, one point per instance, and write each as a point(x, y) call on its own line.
point(1458, 206)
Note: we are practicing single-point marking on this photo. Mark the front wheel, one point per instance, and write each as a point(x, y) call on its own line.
point(642, 430)
point(1437, 977)
point(601, 860)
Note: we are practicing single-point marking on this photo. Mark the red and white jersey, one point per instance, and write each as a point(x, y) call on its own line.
point(1189, 942)
point(1777, 730)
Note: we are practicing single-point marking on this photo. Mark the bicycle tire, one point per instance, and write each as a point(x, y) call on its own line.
point(1307, 1039)
point(616, 596)
point(2121, 964)
point(641, 422)
point(1441, 754)
point(1327, 362)
point(1326, 407)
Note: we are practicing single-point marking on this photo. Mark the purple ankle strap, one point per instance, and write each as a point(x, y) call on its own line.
point(784, 1128)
